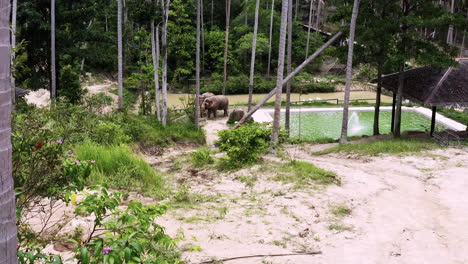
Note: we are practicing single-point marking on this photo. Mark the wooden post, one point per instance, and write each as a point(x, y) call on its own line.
point(433, 121)
point(393, 111)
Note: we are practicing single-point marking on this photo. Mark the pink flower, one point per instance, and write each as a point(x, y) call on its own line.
point(106, 250)
point(59, 141)
point(93, 161)
point(77, 162)
point(71, 156)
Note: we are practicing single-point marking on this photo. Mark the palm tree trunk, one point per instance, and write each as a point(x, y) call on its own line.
point(8, 240)
point(120, 53)
point(197, 67)
point(53, 70)
point(165, 8)
point(462, 47)
point(450, 30)
point(309, 28)
point(287, 116)
point(252, 61)
point(317, 21)
point(226, 43)
point(271, 37)
point(349, 73)
point(378, 98)
point(13, 46)
point(399, 99)
point(279, 79)
point(202, 39)
point(155, 53)
point(297, 10)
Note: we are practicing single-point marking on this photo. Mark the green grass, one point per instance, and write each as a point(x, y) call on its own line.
point(341, 210)
point(454, 114)
point(201, 158)
point(120, 168)
point(303, 173)
point(248, 180)
point(390, 146)
point(339, 227)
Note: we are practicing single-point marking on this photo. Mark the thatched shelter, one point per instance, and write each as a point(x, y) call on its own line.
point(433, 86)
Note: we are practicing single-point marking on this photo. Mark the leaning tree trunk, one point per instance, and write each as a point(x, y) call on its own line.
point(8, 240)
point(271, 37)
point(155, 53)
point(226, 43)
point(13, 46)
point(309, 27)
point(197, 68)
point(120, 53)
point(165, 8)
point(252, 60)
point(450, 30)
point(287, 116)
point(349, 73)
point(279, 79)
point(53, 70)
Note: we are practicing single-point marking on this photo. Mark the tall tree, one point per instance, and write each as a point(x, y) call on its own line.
point(8, 240)
point(252, 60)
point(279, 79)
point(13, 46)
point(317, 21)
point(450, 38)
point(287, 116)
point(226, 43)
point(165, 7)
point(120, 52)
point(197, 68)
point(309, 27)
point(271, 36)
point(349, 72)
point(53, 69)
point(155, 53)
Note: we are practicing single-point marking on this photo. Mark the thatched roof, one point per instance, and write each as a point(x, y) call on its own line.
point(432, 86)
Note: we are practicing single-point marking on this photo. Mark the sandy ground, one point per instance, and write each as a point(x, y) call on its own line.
point(105, 88)
point(212, 127)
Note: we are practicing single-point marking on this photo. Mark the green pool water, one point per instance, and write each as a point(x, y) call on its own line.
point(328, 124)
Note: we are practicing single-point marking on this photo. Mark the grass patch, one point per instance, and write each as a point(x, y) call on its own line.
point(120, 168)
point(303, 173)
point(454, 114)
point(341, 210)
point(248, 180)
point(391, 146)
point(339, 227)
point(201, 158)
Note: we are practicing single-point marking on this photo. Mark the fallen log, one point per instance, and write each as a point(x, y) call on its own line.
point(260, 256)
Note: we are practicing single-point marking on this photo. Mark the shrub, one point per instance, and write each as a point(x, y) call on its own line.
point(245, 144)
point(313, 87)
point(201, 157)
point(108, 133)
point(118, 167)
point(70, 86)
point(96, 103)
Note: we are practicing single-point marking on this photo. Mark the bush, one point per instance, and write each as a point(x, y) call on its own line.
point(118, 167)
point(313, 87)
point(70, 86)
point(201, 157)
point(96, 103)
point(245, 144)
point(108, 133)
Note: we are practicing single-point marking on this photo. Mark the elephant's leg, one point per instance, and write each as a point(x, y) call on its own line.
point(225, 112)
point(215, 112)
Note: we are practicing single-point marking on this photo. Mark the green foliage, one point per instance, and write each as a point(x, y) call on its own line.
point(458, 116)
point(201, 157)
point(245, 144)
point(96, 103)
point(313, 87)
point(69, 85)
point(118, 167)
point(303, 173)
point(341, 210)
point(109, 133)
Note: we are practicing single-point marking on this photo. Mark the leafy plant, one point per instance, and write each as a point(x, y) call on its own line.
point(201, 157)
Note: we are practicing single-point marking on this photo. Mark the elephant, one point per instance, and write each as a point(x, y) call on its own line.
point(215, 103)
point(235, 115)
point(202, 99)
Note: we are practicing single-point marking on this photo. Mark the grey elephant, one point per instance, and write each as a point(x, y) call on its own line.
point(235, 115)
point(202, 99)
point(212, 104)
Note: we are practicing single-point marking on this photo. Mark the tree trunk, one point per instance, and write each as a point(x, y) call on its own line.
point(165, 8)
point(279, 79)
point(226, 43)
point(8, 240)
point(271, 37)
point(202, 63)
point(13, 46)
point(349, 73)
point(309, 28)
point(378, 99)
point(120, 53)
point(197, 66)
point(462, 47)
point(297, 10)
point(252, 60)
point(450, 30)
point(317, 21)
point(399, 99)
point(53, 70)
point(155, 53)
point(212, 10)
point(288, 78)
point(287, 116)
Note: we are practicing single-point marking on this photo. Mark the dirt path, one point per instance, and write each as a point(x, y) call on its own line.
point(404, 210)
point(212, 127)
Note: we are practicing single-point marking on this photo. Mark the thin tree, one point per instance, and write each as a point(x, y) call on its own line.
point(271, 36)
point(287, 116)
point(252, 60)
point(297, 10)
point(309, 26)
point(155, 53)
point(349, 73)
point(226, 43)
point(165, 7)
point(197, 67)
point(279, 79)
point(462, 47)
point(317, 21)
point(13, 46)
point(8, 240)
point(53, 70)
point(450, 30)
point(120, 53)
